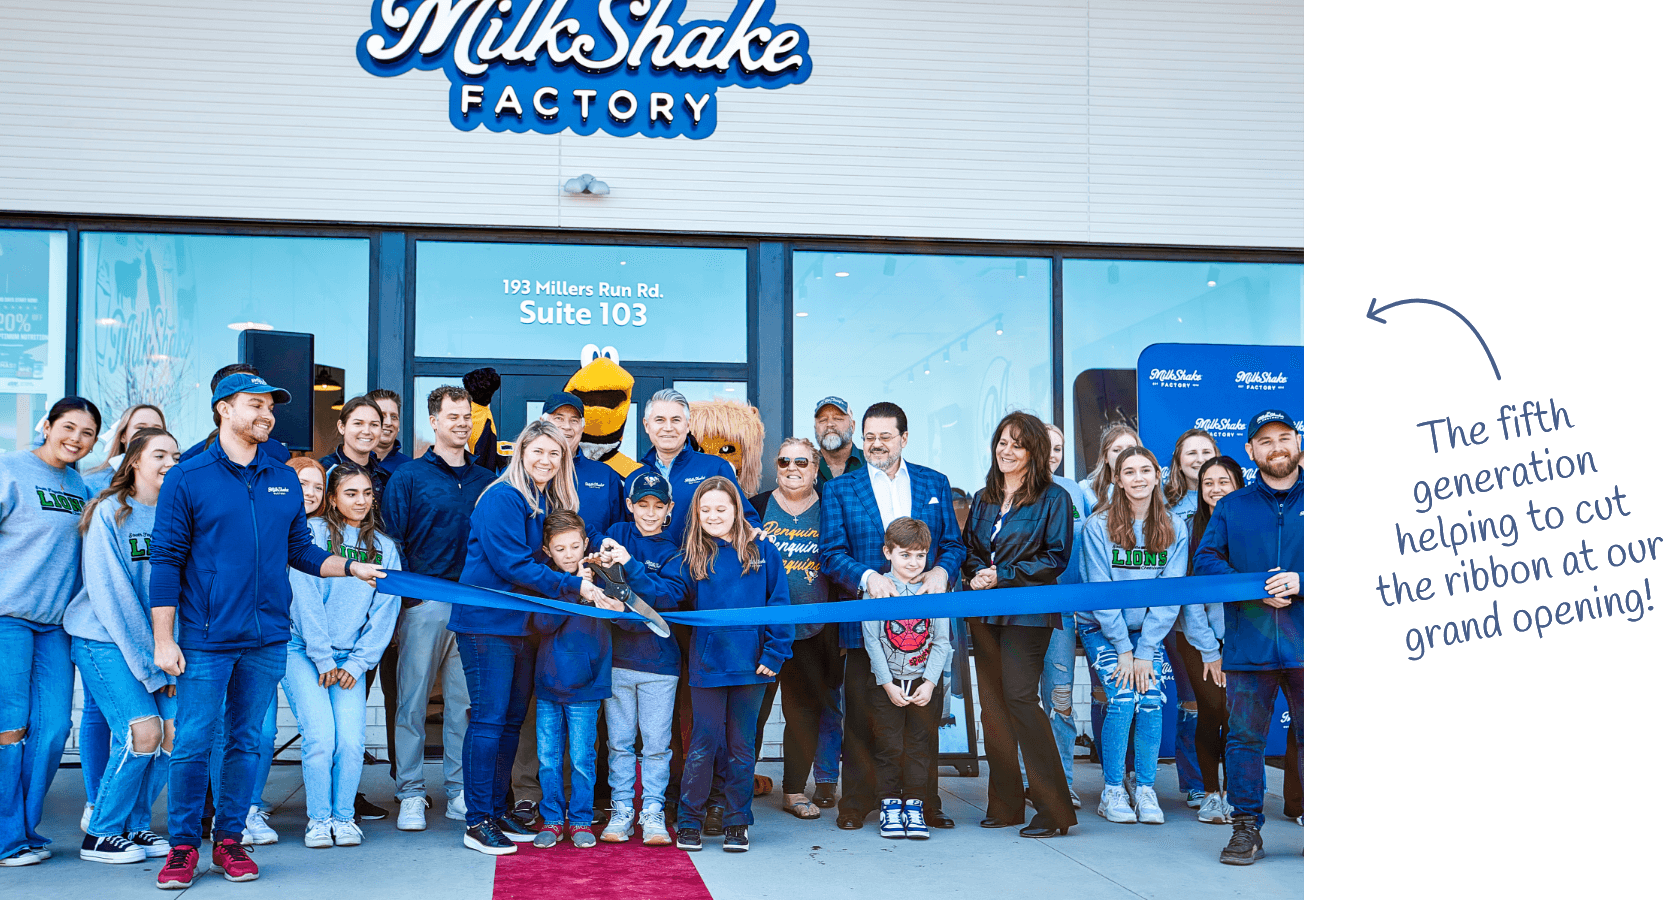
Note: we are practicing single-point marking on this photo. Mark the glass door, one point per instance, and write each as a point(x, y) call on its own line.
point(522, 397)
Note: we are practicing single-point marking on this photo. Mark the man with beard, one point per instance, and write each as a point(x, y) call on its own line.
point(834, 428)
point(229, 523)
point(1261, 528)
point(856, 509)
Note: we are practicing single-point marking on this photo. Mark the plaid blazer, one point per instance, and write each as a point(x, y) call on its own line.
point(852, 533)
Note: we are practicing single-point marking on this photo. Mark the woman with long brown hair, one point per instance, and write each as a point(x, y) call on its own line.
point(1134, 537)
point(723, 565)
point(1019, 534)
point(133, 419)
point(1098, 485)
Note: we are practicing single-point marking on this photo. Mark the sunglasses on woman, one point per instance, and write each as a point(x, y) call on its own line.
point(783, 462)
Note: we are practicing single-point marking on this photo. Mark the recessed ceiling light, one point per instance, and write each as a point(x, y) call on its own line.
point(623, 262)
point(250, 326)
point(999, 331)
point(842, 274)
point(107, 321)
point(801, 315)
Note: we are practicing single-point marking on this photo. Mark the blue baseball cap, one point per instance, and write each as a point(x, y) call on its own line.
point(1266, 418)
point(563, 398)
point(836, 402)
point(242, 383)
point(649, 484)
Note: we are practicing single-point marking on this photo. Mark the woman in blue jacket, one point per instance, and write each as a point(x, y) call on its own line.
point(110, 626)
point(41, 501)
point(503, 549)
point(339, 629)
point(722, 566)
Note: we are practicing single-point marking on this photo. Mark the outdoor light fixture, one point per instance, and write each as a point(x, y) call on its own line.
point(587, 184)
point(324, 381)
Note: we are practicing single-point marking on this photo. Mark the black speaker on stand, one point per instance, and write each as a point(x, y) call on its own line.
point(286, 359)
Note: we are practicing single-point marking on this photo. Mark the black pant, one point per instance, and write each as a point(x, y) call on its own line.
point(1009, 660)
point(1211, 717)
point(906, 744)
point(387, 686)
point(857, 768)
point(806, 681)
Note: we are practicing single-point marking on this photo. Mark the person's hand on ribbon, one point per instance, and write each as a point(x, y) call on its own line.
point(1282, 587)
point(366, 572)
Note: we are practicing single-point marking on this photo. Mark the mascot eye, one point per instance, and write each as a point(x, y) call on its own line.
point(589, 354)
point(610, 353)
point(727, 449)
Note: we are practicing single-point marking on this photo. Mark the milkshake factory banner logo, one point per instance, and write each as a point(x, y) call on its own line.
point(624, 67)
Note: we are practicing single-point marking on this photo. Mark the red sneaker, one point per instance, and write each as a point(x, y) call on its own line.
point(179, 869)
point(549, 836)
point(232, 860)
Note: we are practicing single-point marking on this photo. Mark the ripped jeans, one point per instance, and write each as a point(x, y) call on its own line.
point(1123, 705)
point(138, 768)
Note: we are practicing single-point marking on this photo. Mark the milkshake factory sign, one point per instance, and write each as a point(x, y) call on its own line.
point(624, 67)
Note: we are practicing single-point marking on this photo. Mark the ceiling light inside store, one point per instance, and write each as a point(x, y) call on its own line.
point(801, 315)
point(107, 321)
point(250, 326)
point(1020, 268)
point(1212, 276)
point(842, 274)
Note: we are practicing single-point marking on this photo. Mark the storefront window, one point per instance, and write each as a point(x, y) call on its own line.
point(1113, 309)
point(33, 274)
point(160, 313)
point(957, 341)
point(549, 301)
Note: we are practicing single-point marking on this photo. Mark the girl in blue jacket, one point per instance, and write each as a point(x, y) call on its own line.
point(339, 629)
point(722, 566)
point(110, 626)
point(1133, 537)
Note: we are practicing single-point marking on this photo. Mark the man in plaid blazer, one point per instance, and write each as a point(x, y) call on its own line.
point(856, 507)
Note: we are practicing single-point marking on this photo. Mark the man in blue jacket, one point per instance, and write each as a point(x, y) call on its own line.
point(270, 447)
point(229, 523)
point(1261, 528)
point(856, 508)
point(428, 511)
point(679, 459)
point(600, 490)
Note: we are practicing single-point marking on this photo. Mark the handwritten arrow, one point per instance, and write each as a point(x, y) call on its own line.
point(1371, 313)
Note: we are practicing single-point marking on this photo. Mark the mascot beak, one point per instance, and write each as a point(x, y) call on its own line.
point(604, 387)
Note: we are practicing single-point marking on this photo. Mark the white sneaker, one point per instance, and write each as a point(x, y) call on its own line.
point(1115, 806)
point(318, 834)
point(456, 809)
point(1215, 811)
point(653, 830)
point(87, 816)
point(257, 830)
point(411, 816)
point(621, 825)
point(1148, 806)
point(346, 834)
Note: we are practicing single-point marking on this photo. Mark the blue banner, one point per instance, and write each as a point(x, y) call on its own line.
point(1217, 388)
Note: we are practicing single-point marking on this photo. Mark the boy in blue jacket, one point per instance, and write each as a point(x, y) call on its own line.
point(573, 676)
point(1261, 528)
point(645, 669)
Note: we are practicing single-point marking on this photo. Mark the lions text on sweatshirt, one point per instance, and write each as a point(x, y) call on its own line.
point(114, 605)
point(344, 623)
point(39, 508)
point(1100, 559)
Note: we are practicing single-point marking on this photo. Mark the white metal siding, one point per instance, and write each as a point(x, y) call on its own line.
point(1156, 122)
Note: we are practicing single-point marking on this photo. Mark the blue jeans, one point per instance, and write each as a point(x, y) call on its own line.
point(722, 742)
point(1123, 705)
point(565, 746)
point(1252, 697)
point(1055, 689)
point(133, 777)
point(265, 754)
point(36, 683)
point(499, 673)
point(1183, 737)
point(646, 703)
point(830, 731)
point(220, 698)
point(96, 742)
point(333, 723)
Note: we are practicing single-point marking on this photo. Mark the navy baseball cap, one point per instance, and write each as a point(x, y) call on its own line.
point(837, 402)
point(242, 383)
point(649, 484)
point(563, 398)
point(1267, 417)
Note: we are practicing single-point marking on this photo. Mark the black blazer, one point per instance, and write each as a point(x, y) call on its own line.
point(1034, 547)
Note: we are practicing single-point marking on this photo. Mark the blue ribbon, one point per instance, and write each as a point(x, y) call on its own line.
point(1055, 598)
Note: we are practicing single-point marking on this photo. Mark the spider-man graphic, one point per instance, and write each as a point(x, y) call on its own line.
point(910, 637)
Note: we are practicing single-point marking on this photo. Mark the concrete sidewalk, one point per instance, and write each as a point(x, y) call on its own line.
point(789, 857)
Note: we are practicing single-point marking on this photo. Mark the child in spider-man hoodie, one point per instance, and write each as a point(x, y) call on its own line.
point(907, 657)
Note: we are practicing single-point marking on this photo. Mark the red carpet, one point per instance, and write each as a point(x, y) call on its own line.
point(629, 871)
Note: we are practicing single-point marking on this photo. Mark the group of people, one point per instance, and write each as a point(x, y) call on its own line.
point(187, 586)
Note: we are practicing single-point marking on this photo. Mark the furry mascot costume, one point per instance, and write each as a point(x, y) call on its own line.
point(481, 385)
point(604, 387)
point(731, 429)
